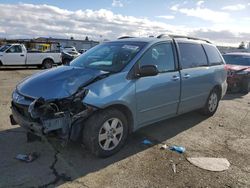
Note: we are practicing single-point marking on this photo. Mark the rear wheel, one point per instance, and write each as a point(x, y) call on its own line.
point(105, 132)
point(212, 103)
point(47, 64)
point(66, 61)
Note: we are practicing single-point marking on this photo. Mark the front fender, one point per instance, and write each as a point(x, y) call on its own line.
point(113, 90)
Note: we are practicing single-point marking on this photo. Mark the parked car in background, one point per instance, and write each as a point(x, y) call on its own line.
point(81, 51)
point(68, 54)
point(238, 66)
point(17, 54)
point(118, 87)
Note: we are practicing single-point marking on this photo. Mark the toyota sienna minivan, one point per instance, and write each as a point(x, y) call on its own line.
point(120, 86)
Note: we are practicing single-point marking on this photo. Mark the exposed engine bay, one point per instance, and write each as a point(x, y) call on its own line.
point(60, 116)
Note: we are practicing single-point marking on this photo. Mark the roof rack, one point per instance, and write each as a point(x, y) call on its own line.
point(181, 36)
point(125, 37)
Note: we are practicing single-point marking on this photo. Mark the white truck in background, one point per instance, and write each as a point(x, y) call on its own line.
point(17, 54)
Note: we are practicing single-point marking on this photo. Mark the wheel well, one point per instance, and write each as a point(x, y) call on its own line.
point(48, 59)
point(219, 89)
point(127, 113)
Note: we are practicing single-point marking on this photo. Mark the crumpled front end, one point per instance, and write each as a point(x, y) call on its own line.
point(236, 77)
point(62, 117)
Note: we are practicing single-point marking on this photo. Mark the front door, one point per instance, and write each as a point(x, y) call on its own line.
point(157, 96)
point(14, 56)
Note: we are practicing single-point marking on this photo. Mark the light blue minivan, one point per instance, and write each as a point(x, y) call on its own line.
point(120, 86)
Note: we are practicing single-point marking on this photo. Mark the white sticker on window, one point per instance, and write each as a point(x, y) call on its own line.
point(130, 47)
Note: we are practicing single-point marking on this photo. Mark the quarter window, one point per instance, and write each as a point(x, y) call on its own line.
point(192, 55)
point(160, 55)
point(214, 57)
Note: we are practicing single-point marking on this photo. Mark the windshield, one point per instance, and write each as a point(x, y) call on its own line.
point(237, 60)
point(5, 47)
point(111, 57)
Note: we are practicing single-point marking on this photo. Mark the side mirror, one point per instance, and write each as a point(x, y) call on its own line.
point(147, 70)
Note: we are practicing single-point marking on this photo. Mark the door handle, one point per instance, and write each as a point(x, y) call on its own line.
point(21, 55)
point(186, 76)
point(175, 78)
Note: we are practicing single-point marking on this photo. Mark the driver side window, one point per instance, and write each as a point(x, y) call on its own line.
point(160, 55)
point(15, 49)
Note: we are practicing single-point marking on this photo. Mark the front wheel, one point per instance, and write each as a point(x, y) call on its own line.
point(105, 132)
point(212, 103)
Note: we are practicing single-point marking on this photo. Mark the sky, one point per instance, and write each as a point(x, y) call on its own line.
point(224, 22)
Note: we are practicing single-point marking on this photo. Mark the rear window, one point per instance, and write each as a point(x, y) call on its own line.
point(237, 60)
point(214, 57)
point(192, 55)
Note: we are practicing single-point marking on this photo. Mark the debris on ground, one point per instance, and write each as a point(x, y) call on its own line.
point(27, 157)
point(164, 146)
point(178, 149)
point(211, 164)
point(221, 125)
point(147, 142)
point(173, 166)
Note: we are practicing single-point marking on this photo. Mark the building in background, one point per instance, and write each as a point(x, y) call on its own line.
point(52, 44)
point(78, 44)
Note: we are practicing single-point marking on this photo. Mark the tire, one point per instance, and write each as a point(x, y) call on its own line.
point(245, 86)
point(105, 132)
point(66, 62)
point(47, 64)
point(212, 103)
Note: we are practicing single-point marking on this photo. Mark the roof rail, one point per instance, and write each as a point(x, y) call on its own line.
point(125, 37)
point(182, 36)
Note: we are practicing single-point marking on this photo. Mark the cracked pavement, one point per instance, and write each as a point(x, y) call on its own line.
point(226, 134)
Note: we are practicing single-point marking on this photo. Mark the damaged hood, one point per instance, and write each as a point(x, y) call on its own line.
point(57, 82)
point(237, 68)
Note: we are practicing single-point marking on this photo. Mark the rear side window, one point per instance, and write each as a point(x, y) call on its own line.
point(15, 49)
point(192, 55)
point(214, 57)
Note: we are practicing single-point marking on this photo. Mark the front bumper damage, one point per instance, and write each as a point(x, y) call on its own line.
point(62, 117)
point(235, 79)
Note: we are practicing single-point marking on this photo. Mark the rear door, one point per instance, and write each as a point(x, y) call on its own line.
point(15, 56)
point(157, 96)
point(195, 76)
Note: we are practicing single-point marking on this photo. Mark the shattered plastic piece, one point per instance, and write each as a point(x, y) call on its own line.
point(178, 149)
point(27, 157)
point(221, 125)
point(174, 167)
point(211, 164)
point(164, 146)
point(147, 142)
